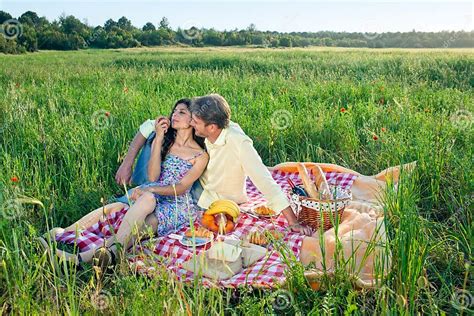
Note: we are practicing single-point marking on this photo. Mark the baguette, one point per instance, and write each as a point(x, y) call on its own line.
point(308, 185)
point(321, 183)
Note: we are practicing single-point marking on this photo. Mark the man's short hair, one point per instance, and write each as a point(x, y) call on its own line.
point(212, 109)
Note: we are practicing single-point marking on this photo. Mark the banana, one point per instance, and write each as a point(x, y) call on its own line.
point(216, 209)
point(224, 206)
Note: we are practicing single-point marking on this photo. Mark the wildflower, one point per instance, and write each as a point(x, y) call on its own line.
point(343, 110)
point(384, 129)
point(14, 179)
point(375, 137)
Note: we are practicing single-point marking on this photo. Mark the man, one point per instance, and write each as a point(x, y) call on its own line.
point(232, 158)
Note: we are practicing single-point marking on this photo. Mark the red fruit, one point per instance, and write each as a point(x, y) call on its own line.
point(343, 110)
point(384, 129)
point(375, 137)
point(15, 179)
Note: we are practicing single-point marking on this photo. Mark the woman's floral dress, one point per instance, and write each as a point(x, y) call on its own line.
point(173, 212)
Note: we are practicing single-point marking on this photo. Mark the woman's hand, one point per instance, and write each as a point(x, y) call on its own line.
point(161, 126)
point(136, 193)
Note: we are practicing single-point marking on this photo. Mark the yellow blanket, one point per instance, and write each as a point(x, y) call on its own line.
point(361, 231)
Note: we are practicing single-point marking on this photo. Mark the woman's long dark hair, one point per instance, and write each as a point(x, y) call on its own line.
point(170, 135)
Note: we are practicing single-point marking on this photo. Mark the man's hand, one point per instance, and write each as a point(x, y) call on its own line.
point(304, 230)
point(124, 174)
point(294, 226)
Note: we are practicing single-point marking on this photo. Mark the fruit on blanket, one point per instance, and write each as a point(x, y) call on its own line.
point(208, 221)
point(223, 225)
point(199, 232)
point(224, 206)
point(220, 216)
point(309, 186)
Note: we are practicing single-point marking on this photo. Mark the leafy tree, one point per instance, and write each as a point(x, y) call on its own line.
point(30, 18)
point(70, 25)
point(150, 38)
point(10, 47)
point(28, 38)
point(125, 24)
point(109, 24)
point(165, 24)
point(148, 27)
point(213, 38)
point(285, 41)
point(4, 16)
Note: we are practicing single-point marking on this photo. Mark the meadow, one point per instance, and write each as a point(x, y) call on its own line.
point(66, 119)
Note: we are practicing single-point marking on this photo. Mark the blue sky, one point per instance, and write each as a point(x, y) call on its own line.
point(279, 15)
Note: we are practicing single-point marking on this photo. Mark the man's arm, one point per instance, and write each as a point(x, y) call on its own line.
point(124, 172)
point(261, 177)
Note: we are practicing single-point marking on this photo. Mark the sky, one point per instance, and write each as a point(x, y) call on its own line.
point(276, 15)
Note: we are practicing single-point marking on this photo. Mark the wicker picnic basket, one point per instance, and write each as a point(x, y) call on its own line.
point(315, 212)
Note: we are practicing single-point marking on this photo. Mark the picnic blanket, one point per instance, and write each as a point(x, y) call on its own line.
point(361, 233)
point(267, 272)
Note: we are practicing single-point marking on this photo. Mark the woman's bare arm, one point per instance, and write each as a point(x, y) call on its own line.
point(186, 182)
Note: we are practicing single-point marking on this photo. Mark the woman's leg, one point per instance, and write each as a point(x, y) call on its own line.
point(90, 219)
point(135, 217)
point(95, 216)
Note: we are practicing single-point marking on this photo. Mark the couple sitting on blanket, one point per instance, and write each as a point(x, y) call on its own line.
point(189, 160)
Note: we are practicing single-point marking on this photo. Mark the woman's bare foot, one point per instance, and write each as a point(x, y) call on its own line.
point(60, 253)
point(56, 230)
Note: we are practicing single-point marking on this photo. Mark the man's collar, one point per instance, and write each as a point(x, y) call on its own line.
point(220, 141)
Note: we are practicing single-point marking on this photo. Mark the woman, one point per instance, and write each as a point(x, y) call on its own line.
point(178, 158)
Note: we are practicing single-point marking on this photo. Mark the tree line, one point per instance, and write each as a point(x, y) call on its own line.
point(30, 32)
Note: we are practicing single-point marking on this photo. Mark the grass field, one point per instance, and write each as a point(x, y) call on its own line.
point(67, 117)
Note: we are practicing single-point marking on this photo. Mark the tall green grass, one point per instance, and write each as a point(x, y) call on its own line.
point(56, 138)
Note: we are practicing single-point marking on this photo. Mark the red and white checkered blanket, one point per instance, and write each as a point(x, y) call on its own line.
point(266, 272)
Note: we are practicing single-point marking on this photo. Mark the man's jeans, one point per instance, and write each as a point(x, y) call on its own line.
point(140, 176)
